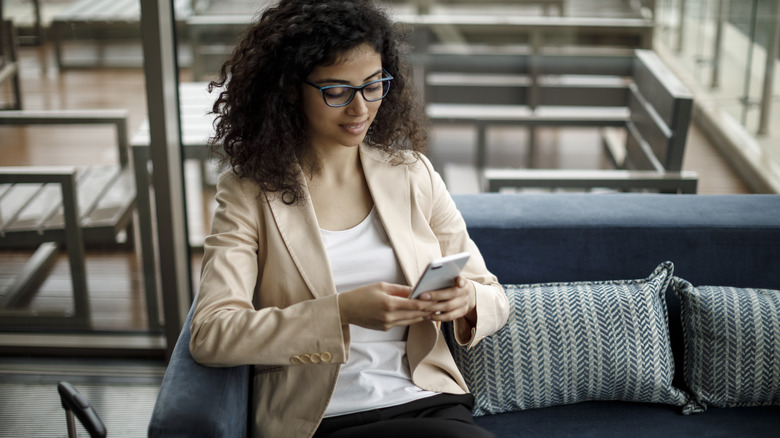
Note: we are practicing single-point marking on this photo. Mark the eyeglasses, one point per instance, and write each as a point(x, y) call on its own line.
point(341, 95)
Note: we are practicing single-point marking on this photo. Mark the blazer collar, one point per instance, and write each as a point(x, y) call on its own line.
point(390, 188)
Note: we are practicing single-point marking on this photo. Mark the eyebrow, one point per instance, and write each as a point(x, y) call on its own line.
point(342, 81)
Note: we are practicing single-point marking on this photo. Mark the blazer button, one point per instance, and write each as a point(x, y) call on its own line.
point(296, 360)
point(326, 357)
point(306, 358)
point(316, 358)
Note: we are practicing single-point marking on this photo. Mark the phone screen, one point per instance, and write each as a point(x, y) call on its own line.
point(440, 273)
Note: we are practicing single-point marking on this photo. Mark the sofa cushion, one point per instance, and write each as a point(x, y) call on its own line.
point(617, 419)
point(197, 401)
point(732, 344)
point(572, 342)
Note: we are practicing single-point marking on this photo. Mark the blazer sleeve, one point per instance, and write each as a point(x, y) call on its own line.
point(226, 327)
point(450, 229)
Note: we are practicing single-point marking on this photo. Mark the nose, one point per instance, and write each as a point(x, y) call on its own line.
point(358, 106)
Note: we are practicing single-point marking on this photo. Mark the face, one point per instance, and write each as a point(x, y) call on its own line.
point(344, 126)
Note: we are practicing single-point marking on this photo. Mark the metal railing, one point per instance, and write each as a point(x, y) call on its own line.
point(715, 35)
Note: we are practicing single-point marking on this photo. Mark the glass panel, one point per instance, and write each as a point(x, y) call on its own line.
point(86, 110)
point(725, 47)
point(212, 30)
point(83, 105)
point(742, 20)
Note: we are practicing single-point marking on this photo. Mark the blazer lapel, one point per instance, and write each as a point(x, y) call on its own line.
point(300, 231)
point(389, 187)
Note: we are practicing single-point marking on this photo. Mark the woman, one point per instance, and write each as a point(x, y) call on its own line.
point(327, 214)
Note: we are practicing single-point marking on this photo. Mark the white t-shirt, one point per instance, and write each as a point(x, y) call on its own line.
point(377, 372)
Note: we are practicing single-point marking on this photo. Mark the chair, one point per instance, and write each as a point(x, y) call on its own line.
point(74, 403)
point(48, 207)
point(180, 411)
point(9, 65)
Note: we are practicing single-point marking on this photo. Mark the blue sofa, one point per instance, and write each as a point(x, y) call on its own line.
point(719, 240)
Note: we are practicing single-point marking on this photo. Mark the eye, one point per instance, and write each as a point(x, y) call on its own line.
point(336, 92)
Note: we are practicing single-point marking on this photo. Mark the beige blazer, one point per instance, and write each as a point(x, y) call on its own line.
point(267, 296)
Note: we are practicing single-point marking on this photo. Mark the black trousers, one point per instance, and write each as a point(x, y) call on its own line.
point(443, 415)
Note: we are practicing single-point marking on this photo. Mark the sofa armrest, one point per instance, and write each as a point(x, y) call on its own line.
point(198, 401)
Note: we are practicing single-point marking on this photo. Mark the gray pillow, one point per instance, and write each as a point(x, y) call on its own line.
point(732, 344)
point(573, 342)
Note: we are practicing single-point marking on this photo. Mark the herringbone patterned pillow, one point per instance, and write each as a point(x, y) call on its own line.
point(573, 342)
point(732, 344)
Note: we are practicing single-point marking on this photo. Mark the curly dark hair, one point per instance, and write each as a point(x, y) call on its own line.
point(260, 129)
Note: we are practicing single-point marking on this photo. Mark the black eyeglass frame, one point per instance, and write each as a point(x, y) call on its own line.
point(355, 89)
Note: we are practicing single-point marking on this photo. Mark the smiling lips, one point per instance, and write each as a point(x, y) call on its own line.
point(355, 128)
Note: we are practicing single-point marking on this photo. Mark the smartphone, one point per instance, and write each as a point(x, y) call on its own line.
point(440, 273)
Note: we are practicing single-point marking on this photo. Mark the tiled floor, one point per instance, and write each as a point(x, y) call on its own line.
point(121, 392)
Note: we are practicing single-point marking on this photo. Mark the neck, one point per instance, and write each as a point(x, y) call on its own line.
point(335, 165)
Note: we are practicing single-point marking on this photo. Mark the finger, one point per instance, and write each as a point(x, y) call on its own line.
point(397, 290)
point(411, 321)
point(445, 294)
point(404, 304)
point(447, 316)
point(448, 299)
point(448, 306)
point(440, 294)
point(406, 319)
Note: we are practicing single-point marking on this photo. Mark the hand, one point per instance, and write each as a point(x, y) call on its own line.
point(453, 303)
point(382, 306)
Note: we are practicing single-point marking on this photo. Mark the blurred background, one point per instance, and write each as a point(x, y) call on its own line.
point(533, 96)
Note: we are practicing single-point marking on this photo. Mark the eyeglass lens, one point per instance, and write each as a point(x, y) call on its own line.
point(335, 96)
